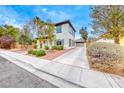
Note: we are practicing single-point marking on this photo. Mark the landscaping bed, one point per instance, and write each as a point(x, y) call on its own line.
point(52, 54)
point(106, 57)
point(47, 53)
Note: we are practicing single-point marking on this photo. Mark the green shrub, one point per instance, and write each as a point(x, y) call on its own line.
point(30, 51)
point(46, 47)
point(40, 53)
point(54, 47)
point(58, 47)
point(34, 52)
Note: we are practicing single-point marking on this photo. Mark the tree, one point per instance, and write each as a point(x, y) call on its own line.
point(39, 26)
point(25, 37)
point(6, 41)
point(9, 30)
point(45, 31)
point(1, 31)
point(84, 33)
point(8, 35)
point(109, 21)
point(50, 33)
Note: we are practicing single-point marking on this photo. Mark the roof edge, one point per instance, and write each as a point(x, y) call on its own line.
point(66, 21)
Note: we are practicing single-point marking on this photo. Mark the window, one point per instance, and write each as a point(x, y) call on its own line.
point(73, 33)
point(69, 42)
point(59, 29)
point(60, 42)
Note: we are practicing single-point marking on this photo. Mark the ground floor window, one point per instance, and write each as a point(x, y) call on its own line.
point(71, 42)
point(60, 42)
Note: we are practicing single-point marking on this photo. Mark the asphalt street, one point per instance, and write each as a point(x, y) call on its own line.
point(13, 76)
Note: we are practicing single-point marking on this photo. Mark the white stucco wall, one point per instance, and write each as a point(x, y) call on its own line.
point(65, 34)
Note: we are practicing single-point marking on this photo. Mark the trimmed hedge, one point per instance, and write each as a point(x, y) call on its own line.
point(58, 47)
point(106, 56)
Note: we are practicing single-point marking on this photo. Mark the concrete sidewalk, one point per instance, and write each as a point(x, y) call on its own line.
point(79, 76)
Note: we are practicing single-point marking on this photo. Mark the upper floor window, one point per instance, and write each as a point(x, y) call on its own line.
point(59, 29)
point(72, 32)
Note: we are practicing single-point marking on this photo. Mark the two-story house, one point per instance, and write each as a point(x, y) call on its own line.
point(65, 34)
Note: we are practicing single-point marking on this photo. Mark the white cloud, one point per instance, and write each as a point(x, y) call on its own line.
point(9, 16)
point(44, 9)
point(15, 24)
point(56, 15)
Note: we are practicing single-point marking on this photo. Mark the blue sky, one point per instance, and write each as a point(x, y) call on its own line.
point(19, 15)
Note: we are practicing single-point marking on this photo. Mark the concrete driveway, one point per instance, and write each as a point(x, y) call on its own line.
point(75, 57)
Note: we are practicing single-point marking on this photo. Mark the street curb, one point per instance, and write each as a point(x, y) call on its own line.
point(44, 71)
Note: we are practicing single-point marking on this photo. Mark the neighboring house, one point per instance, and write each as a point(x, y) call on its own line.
point(122, 41)
point(64, 35)
point(105, 40)
point(79, 42)
point(110, 40)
